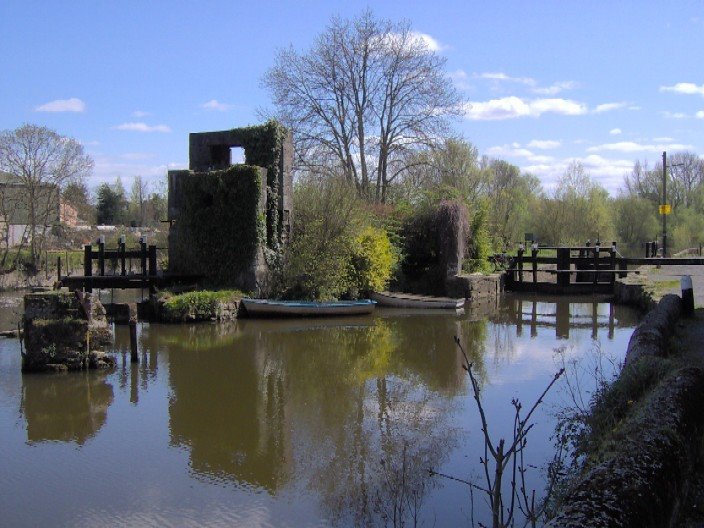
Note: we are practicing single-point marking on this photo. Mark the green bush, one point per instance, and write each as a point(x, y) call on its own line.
point(372, 260)
point(317, 261)
point(196, 306)
point(479, 246)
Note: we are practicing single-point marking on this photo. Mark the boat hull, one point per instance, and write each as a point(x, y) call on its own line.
point(266, 308)
point(424, 302)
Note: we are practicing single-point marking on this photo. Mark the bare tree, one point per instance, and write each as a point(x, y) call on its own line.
point(368, 91)
point(43, 163)
point(138, 198)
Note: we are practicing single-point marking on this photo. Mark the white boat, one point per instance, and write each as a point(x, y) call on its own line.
point(269, 308)
point(410, 300)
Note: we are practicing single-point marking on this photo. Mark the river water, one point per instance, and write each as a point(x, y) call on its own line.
point(288, 422)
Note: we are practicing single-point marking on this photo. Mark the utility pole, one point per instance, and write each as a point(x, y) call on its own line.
point(664, 204)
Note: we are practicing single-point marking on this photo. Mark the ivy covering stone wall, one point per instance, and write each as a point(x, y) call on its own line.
point(219, 225)
point(268, 146)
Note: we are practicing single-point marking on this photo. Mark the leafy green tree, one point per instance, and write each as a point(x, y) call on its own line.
point(513, 199)
point(687, 230)
point(328, 218)
point(112, 205)
point(78, 196)
point(636, 221)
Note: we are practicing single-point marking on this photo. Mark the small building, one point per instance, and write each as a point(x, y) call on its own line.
point(15, 209)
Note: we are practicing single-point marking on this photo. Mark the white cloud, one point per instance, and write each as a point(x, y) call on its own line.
point(631, 146)
point(608, 107)
point(556, 88)
point(107, 168)
point(140, 113)
point(143, 127)
point(673, 115)
point(431, 43)
point(700, 114)
point(460, 79)
point(544, 144)
point(684, 88)
point(516, 151)
point(414, 38)
point(513, 107)
point(216, 105)
point(499, 76)
point(615, 131)
point(664, 139)
point(607, 172)
point(62, 105)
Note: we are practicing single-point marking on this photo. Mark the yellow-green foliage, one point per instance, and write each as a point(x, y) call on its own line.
point(372, 260)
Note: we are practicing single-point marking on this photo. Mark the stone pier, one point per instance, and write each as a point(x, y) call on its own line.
point(64, 331)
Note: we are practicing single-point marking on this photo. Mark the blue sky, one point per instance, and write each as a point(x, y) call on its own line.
point(605, 83)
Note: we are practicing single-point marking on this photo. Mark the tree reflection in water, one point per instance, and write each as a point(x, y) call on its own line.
point(342, 407)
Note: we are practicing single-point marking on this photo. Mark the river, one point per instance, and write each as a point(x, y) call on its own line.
point(287, 422)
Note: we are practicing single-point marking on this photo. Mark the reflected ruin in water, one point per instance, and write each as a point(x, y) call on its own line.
point(289, 422)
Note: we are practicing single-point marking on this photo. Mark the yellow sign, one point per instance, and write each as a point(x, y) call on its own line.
point(665, 209)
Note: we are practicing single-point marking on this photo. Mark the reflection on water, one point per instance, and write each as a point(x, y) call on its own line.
point(59, 407)
point(311, 421)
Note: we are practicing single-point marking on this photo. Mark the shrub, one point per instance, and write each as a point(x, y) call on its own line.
point(372, 260)
point(479, 246)
point(317, 261)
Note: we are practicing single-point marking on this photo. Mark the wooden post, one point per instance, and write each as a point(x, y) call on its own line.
point(612, 278)
point(687, 295)
point(596, 264)
point(88, 264)
point(534, 257)
point(101, 257)
point(58, 268)
point(647, 250)
point(152, 260)
point(563, 267)
point(143, 257)
point(121, 251)
point(623, 267)
point(520, 263)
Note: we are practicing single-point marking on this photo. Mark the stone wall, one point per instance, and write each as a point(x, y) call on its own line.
point(62, 331)
point(475, 286)
point(638, 480)
point(217, 226)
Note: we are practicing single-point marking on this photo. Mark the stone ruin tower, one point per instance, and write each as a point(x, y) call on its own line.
point(224, 218)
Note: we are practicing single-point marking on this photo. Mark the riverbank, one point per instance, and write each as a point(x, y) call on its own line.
point(641, 453)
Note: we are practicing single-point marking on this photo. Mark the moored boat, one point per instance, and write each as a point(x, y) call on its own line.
point(270, 308)
point(410, 300)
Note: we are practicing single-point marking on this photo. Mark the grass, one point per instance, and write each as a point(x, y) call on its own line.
point(197, 305)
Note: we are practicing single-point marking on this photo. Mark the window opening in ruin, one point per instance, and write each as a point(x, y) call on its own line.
point(236, 155)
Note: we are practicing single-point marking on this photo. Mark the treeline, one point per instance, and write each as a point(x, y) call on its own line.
point(110, 204)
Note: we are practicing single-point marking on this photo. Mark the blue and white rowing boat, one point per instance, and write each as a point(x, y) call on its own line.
point(269, 308)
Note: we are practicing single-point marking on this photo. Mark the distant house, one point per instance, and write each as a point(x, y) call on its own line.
point(15, 209)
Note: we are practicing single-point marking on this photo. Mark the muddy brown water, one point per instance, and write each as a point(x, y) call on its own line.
point(286, 422)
